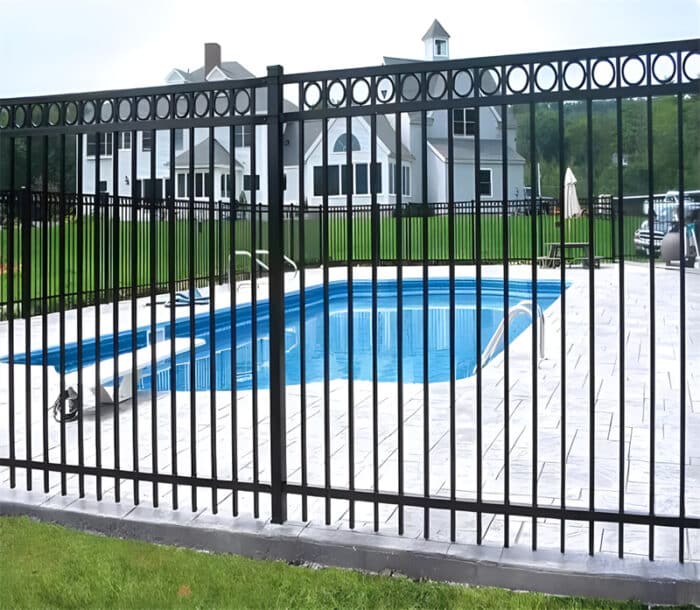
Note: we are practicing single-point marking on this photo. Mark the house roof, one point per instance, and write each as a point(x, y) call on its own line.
point(312, 129)
point(235, 71)
point(387, 134)
point(390, 61)
point(183, 74)
point(490, 150)
point(435, 30)
point(222, 158)
point(232, 69)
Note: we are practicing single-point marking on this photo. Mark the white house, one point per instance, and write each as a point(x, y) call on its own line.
point(213, 69)
point(436, 44)
point(436, 48)
point(387, 180)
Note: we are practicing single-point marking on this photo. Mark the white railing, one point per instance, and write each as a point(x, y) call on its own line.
point(259, 263)
point(522, 308)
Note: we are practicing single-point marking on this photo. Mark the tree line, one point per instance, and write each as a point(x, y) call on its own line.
point(53, 163)
point(604, 145)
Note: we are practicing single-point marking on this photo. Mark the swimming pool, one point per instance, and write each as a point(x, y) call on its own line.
point(412, 290)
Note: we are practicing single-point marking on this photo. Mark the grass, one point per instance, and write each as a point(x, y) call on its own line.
point(48, 566)
point(145, 251)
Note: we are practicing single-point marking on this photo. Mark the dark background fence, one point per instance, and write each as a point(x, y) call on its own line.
point(135, 217)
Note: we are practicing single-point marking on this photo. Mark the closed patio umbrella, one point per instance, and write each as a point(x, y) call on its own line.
point(572, 209)
point(571, 205)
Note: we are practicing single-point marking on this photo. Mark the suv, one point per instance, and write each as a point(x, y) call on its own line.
point(665, 215)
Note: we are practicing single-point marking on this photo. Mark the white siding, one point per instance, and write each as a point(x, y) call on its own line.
point(437, 178)
point(143, 160)
point(314, 158)
point(291, 193)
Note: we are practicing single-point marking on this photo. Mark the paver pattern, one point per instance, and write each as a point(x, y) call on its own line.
point(524, 408)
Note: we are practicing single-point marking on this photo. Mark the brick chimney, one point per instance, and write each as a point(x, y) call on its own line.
point(212, 56)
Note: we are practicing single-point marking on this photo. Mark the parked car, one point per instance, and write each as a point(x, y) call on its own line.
point(665, 216)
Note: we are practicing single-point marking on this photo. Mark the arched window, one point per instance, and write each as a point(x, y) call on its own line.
point(341, 144)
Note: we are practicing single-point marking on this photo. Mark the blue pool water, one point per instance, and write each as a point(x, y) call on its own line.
point(438, 334)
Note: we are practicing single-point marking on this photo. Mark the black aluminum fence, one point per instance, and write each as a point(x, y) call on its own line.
point(129, 221)
point(236, 395)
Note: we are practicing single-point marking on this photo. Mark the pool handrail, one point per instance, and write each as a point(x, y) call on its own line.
point(524, 307)
point(247, 253)
point(260, 263)
point(288, 260)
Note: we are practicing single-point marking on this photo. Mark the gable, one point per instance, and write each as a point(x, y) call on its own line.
point(216, 74)
point(175, 77)
point(336, 127)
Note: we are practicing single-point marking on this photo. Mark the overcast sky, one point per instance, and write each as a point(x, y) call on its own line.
point(54, 46)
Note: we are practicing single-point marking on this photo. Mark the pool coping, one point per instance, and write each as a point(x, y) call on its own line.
point(546, 571)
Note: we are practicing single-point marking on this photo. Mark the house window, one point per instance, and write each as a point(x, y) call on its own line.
point(103, 186)
point(377, 178)
point(246, 182)
point(182, 185)
point(333, 180)
point(124, 140)
point(242, 135)
point(345, 179)
point(361, 179)
point(147, 141)
point(341, 144)
point(105, 144)
point(202, 184)
point(318, 181)
point(226, 185)
point(179, 139)
point(465, 121)
point(485, 182)
point(440, 48)
point(405, 179)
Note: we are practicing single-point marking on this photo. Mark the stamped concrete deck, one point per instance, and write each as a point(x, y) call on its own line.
point(606, 433)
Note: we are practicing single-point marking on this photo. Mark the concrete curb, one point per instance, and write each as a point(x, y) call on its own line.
point(658, 582)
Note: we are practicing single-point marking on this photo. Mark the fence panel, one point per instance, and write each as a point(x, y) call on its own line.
point(368, 347)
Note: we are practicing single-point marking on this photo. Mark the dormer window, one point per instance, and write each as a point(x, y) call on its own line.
point(465, 121)
point(242, 136)
point(341, 144)
point(440, 48)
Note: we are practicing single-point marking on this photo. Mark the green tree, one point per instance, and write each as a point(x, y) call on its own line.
point(664, 132)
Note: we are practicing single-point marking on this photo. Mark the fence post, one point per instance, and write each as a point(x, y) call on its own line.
point(613, 234)
point(540, 228)
point(275, 228)
point(27, 203)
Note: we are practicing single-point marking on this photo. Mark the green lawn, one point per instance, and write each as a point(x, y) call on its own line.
point(145, 251)
point(47, 566)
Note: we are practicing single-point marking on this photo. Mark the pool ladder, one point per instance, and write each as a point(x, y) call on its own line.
point(522, 308)
point(259, 263)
